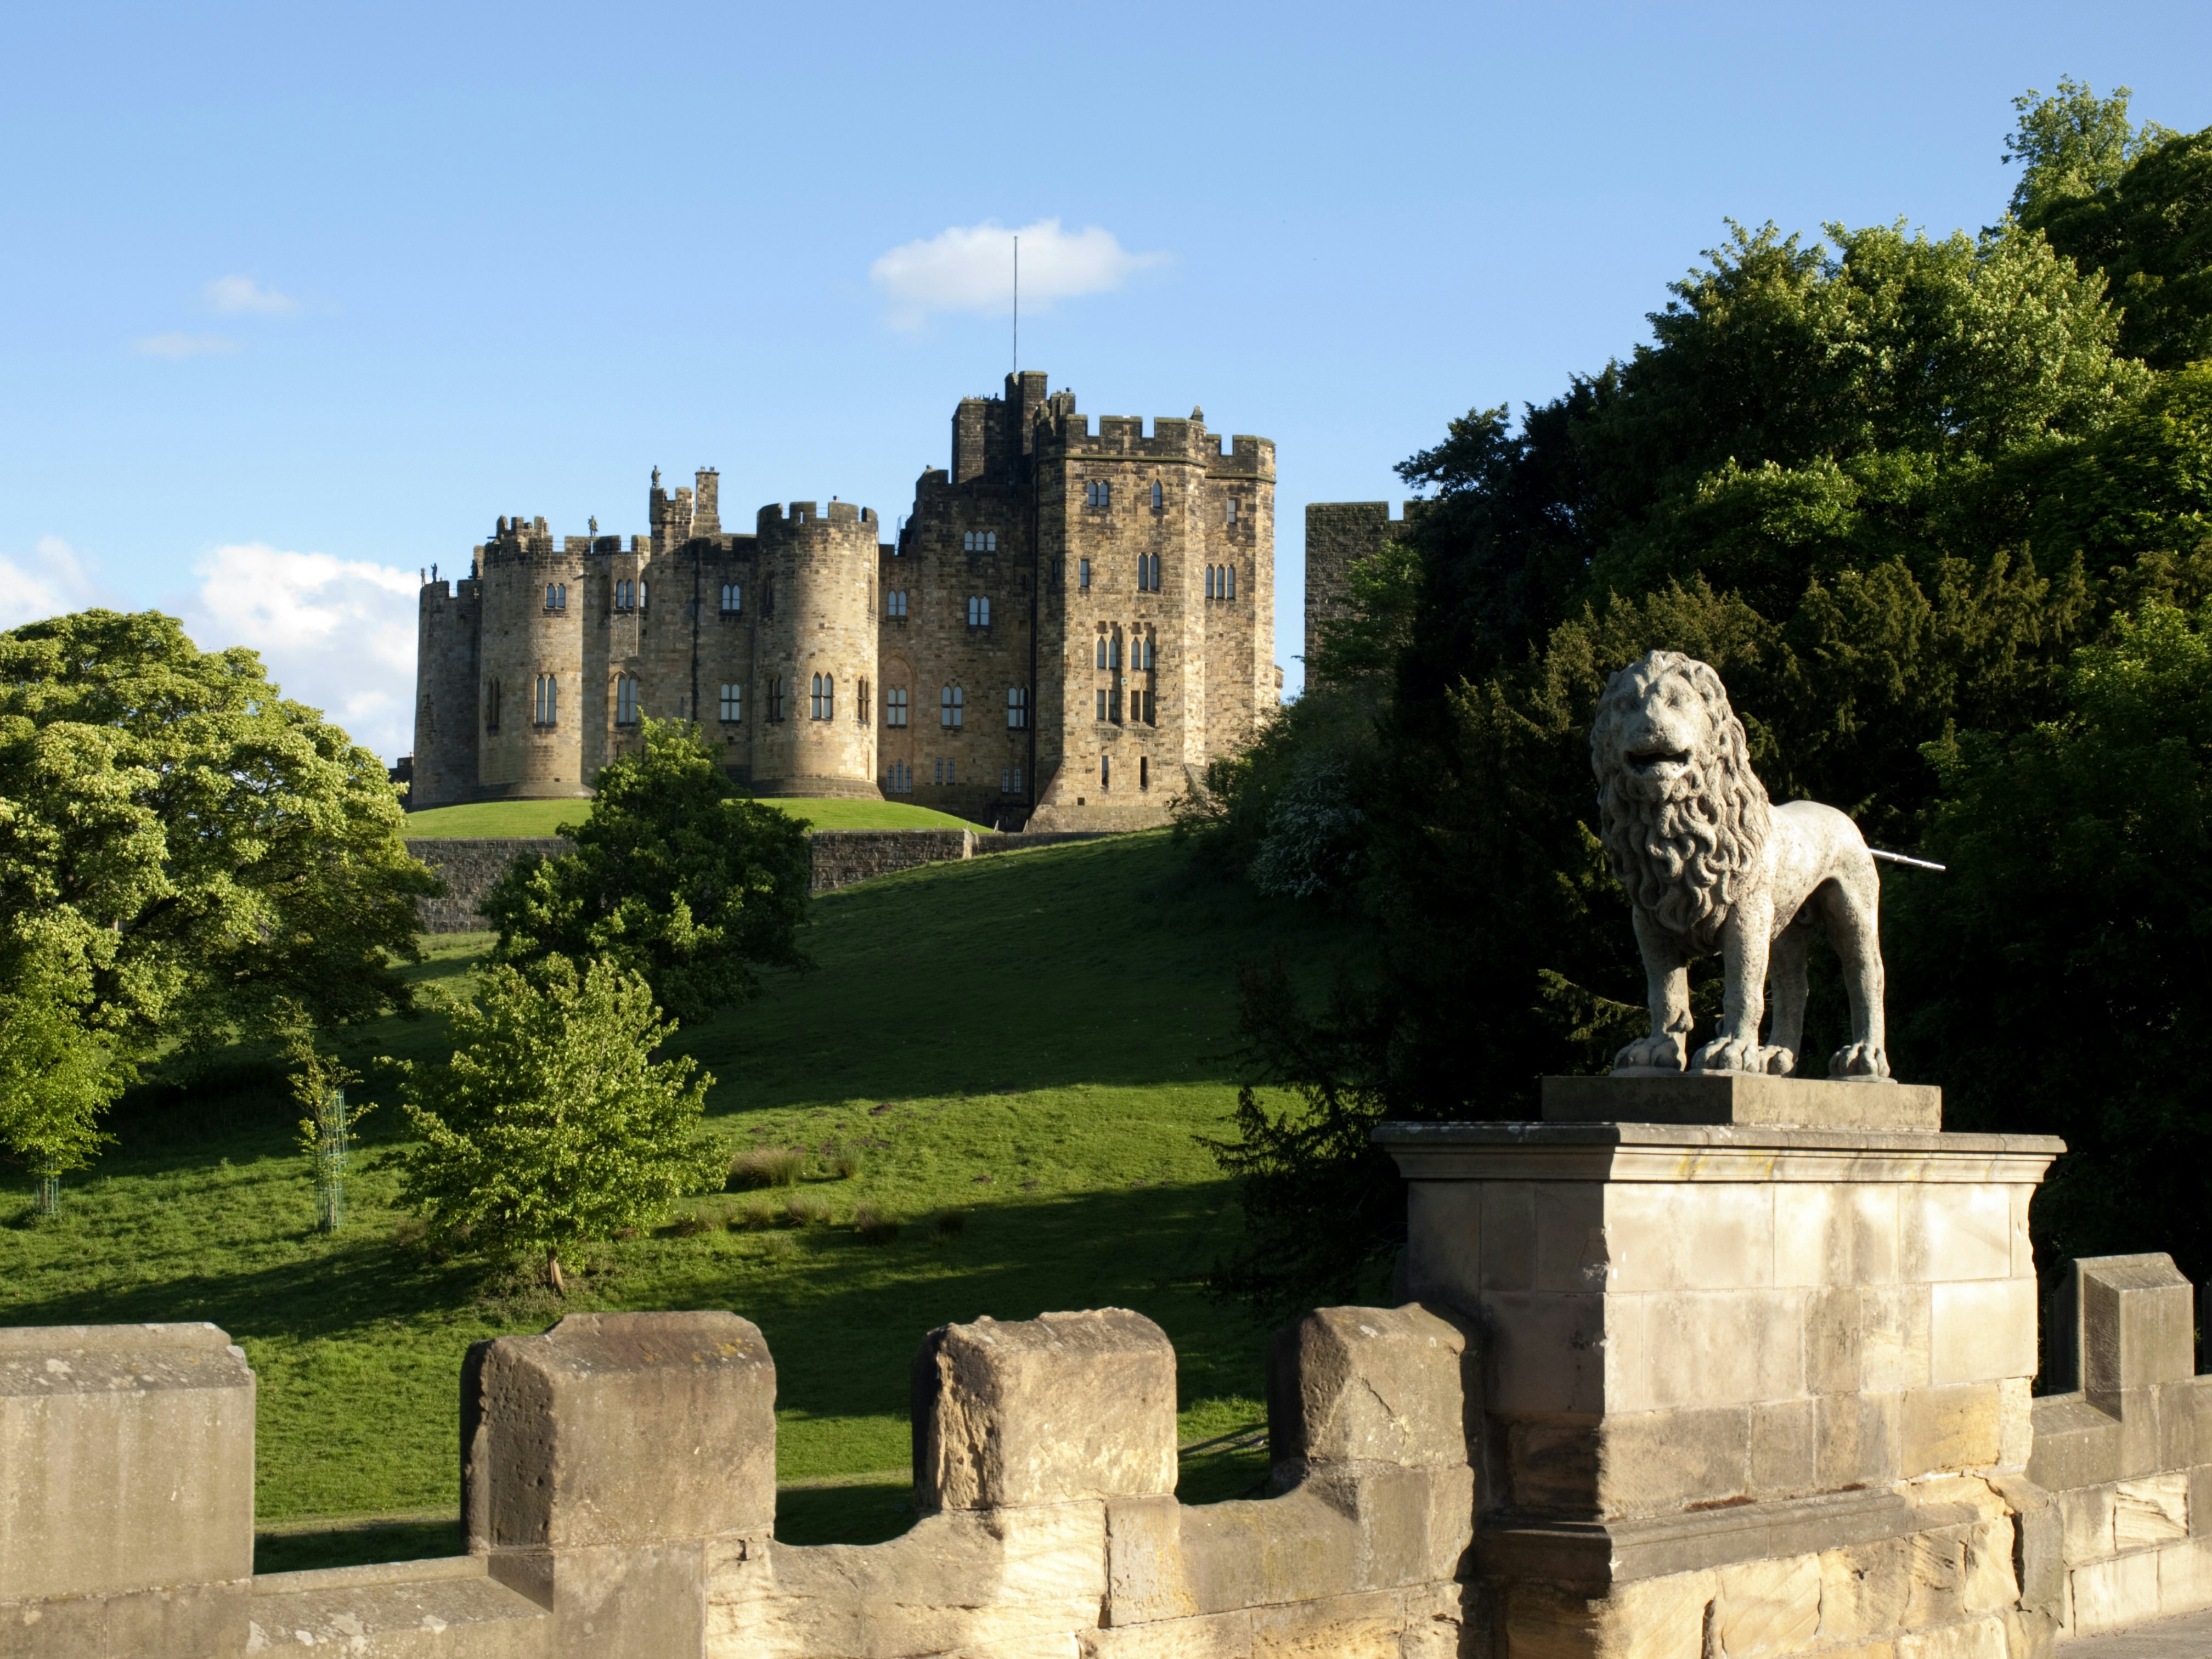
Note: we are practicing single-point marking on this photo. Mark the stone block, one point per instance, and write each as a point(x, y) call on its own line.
point(1854, 1440)
point(1782, 1439)
point(1835, 1339)
point(2015, 1423)
point(2200, 1500)
point(2138, 1324)
point(1699, 1348)
point(2185, 1576)
point(2150, 1510)
point(129, 1458)
point(1444, 1251)
point(2180, 1407)
point(1385, 1385)
point(1767, 1607)
point(444, 1609)
point(1942, 1430)
point(2085, 1517)
point(1551, 1462)
point(2143, 1436)
point(2039, 1558)
point(188, 1621)
point(1894, 1338)
point(1338, 1627)
point(1573, 1253)
point(1740, 1098)
point(1970, 1639)
point(1509, 1235)
point(1664, 1617)
point(1547, 1354)
point(1863, 1590)
point(1653, 1461)
point(1934, 1576)
point(2122, 1590)
point(1211, 1636)
point(1988, 1582)
point(1981, 1330)
point(2075, 1443)
point(1686, 1236)
point(1955, 1230)
point(1829, 1233)
point(619, 1430)
point(1065, 1406)
point(961, 1581)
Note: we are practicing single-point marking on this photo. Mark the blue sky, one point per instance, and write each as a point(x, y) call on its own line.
point(298, 300)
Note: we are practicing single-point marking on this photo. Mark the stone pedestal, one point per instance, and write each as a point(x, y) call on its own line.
point(1724, 1362)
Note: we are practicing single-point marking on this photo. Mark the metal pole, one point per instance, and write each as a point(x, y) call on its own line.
point(1017, 307)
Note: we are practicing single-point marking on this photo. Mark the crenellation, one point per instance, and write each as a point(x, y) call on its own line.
point(955, 666)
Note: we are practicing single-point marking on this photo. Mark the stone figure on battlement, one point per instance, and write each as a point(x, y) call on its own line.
point(1710, 865)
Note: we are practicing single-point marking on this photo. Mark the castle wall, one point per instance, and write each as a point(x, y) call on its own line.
point(1338, 534)
point(522, 639)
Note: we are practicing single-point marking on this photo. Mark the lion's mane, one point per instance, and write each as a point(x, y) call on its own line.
point(1685, 852)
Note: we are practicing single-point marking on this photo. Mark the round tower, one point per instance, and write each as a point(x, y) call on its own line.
point(445, 696)
point(814, 666)
point(529, 692)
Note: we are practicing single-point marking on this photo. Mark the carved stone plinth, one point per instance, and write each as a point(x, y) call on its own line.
point(1741, 1097)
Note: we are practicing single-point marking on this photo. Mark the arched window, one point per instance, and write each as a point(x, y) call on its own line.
point(1228, 582)
point(1209, 582)
point(825, 704)
point(546, 708)
point(895, 709)
point(895, 603)
point(557, 596)
point(1018, 708)
point(967, 541)
point(979, 611)
point(951, 707)
point(625, 700)
point(640, 596)
point(1113, 652)
point(733, 597)
point(1102, 650)
point(1098, 494)
point(990, 541)
point(733, 702)
point(1159, 496)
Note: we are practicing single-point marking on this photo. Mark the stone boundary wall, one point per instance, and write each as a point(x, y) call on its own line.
point(469, 866)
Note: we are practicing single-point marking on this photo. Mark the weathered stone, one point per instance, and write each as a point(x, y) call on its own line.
point(2106, 1595)
point(1970, 1639)
point(128, 1453)
point(2150, 1510)
point(2138, 1324)
point(2076, 1444)
point(1740, 1098)
point(1863, 1590)
point(1768, 1607)
point(1982, 1330)
point(1370, 1385)
point(1063, 1406)
point(1341, 1627)
point(448, 1609)
point(1947, 1429)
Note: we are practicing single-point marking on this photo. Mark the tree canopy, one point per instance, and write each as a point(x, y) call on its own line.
point(675, 877)
point(1891, 484)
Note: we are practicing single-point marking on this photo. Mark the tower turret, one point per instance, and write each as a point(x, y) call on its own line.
point(814, 661)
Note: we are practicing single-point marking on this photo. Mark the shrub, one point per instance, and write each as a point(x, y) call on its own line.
point(755, 1219)
point(689, 1227)
point(804, 1212)
point(874, 1228)
point(846, 1161)
point(766, 1166)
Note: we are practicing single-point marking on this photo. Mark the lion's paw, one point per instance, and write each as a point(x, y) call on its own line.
point(1858, 1059)
point(1731, 1054)
point(1781, 1062)
point(1651, 1054)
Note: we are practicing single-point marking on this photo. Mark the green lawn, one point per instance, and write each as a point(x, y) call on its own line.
point(1034, 1043)
point(545, 818)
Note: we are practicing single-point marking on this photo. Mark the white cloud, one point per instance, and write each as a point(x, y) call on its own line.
point(338, 634)
point(182, 345)
point(54, 581)
point(971, 268)
point(233, 296)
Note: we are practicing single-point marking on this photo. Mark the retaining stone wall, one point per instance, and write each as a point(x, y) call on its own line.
point(469, 866)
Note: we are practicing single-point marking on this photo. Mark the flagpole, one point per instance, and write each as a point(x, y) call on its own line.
point(1017, 307)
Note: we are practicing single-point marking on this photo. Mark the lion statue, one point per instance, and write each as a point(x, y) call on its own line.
point(1710, 865)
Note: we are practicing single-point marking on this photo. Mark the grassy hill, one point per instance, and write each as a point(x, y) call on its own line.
point(545, 818)
point(1034, 1043)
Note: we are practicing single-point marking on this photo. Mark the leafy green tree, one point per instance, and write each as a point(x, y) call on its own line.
point(2071, 144)
point(553, 1124)
point(675, 876)
point(2056, 978)
point(195, 847)
point(319, 1082)
point(56, 1079)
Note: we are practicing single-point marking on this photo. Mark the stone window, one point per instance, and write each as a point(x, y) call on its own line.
point(491, 707)
point(1160, 496)
point(1114, 651)
point(1232, 512)
point(625, 596)
point(1100, 493)
point(1010, 780)
point(1105, 771)
point(895, 603)
point(951, 708)
point(733, 702)
point(898, 779)
point(1212, 571)
point(944, 771)
point(1102, 650)
point(625, 700)
point(824, 697)
point(546, 708)
point(860, 703)
point(1018, 708)
point(775, 699)
point(1102, 705)
point(894, 705)
point(1151, 717)
point(1114, 705)
point(733, 597)
point(980, 541)
point(979, 611)
point(1148, 572)
point(1228, 582)
point(1144, 772)
point(1083, 574)
point(557, 596)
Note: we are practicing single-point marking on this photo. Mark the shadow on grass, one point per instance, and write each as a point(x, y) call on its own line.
point(356, 1544)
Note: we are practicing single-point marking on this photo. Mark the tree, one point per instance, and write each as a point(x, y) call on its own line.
point(56, 1079)
point(2055, 979)
point(319, 1082)
point(2072, 144)
point(197, 847)
point(675, 877)
point(553, 1124)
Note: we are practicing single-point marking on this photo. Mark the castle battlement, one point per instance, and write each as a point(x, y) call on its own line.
point(777, 515)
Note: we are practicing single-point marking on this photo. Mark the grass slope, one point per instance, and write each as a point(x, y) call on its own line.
point(1036, 1042)
point(545, 818)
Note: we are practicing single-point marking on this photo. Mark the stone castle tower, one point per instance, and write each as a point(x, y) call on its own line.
point(1067, 628)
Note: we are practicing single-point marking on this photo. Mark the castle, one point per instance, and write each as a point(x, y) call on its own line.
point(1066, 629)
